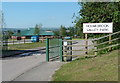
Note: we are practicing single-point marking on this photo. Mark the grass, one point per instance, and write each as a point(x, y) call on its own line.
point(100, 68)
point(26, 46)
point(11, 39)
point(77, 39)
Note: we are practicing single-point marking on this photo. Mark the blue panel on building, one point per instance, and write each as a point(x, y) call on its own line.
point(34, 38)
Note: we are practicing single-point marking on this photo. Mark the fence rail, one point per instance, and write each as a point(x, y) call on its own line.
point(109, 46)
point(108, 41)
point(78, 45)
point(55, 48)
point(106, 36)
point(95, 44)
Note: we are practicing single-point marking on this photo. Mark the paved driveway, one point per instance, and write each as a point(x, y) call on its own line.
point(29, 68)
point(42, 72)
point(32, 68)
point(13, 67)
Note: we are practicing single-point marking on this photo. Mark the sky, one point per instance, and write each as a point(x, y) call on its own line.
point(49, 14)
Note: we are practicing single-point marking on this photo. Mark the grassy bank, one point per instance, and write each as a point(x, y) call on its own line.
point(101, 68)
point(26, 46)
point(77, 39)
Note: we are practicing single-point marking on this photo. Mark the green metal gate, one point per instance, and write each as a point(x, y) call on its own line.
point(53, 49)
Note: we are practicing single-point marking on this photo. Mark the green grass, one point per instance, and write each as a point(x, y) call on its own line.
point(26, 46)
point(12, 39)
point(100, 68)
point(76, 39)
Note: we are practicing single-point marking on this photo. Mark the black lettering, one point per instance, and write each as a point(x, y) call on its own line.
point(94, 25)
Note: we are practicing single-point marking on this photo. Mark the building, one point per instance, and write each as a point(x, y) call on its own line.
point(27, 33)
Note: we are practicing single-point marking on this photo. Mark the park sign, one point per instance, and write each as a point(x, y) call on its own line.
point(97, 27)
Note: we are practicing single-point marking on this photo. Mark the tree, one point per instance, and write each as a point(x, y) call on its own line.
point(56, 33)
point(37, 30)
point(98, 12)
point(72, 31)
point(63, 31)
point(10, 33)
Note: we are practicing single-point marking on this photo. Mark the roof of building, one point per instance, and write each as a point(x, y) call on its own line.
point(30, 32)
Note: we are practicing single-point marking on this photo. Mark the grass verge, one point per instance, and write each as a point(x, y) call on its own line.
point(77, 39)
point(26, 46)
point(100, 68)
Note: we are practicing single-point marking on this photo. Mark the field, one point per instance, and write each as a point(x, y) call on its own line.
point(26, 46)
point(77, 39)
point(100, 68)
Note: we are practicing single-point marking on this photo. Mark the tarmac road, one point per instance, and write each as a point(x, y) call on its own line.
point(13, 67)
point(42, 72)
point(33, 68)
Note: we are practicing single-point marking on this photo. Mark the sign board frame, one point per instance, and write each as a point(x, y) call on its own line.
point(97, 27)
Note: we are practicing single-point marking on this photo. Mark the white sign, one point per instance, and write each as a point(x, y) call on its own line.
point(65, 44)
point(97, 27)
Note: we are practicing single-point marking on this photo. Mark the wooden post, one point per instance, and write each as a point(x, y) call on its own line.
point(110, 48)
point(86, 44)
point(19, 41)
point(65, 53)
point(42, 39)
point(13, 41)
point(71, 47)
point(24, 40)
point(95, 46)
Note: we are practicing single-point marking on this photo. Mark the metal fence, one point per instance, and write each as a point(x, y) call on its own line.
point(53, 49)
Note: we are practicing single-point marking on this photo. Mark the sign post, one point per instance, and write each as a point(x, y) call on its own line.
point(97, 28)
point(86, 44)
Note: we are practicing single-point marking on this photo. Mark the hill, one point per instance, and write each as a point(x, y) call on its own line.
point(100, 68)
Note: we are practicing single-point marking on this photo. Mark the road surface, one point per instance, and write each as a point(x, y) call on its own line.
point(34, 67)
point(14, 66)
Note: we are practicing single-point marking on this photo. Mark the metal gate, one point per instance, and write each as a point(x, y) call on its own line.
point(53, 49)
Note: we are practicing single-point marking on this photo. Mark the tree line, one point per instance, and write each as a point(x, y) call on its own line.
point(89, 12)
point(66, 31)
point(98, 12)
point(93, 12)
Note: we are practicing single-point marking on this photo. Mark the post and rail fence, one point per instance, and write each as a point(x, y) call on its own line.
point(62, 52)
point(95, 44)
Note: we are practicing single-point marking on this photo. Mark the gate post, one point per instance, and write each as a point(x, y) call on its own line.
point(47, 49)
point(71, 47)
point(61, 50)
point(95, 46)
point(86, 44)
point(110, 37)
